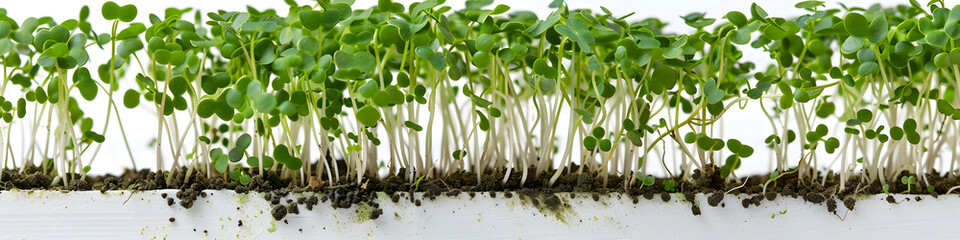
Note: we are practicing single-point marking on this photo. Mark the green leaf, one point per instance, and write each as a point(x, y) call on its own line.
point(363, 61)
point(587, 116)
point(436, 59)
point(736, 18)
point(485, 43)
point(664, 78)
point(127, 13)
point(368, 116)
point(864, 115)
point(110, 10)
point(240, 146)
point(313, 20)
point(856, 25)
point(86, 85)
point(878, 29)
point(389, 6)
point(542, 26)
point(264, 26)
point(944, 107)
point(868, 68)
point(265, 103)
point(131, 98)
point(808, 4)
point(220, 160)
point(851, 45)
point(831, 144)
point(413, 126)
point(282, 155)
point(577, 31)
point(96, 137)
point(714, 94)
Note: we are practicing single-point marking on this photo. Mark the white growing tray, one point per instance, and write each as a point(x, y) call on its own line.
point(145, 215)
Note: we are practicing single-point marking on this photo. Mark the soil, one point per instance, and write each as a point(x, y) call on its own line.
point(347, 192)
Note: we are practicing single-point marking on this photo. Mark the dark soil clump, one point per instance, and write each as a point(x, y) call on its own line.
point(831, 205)
point(279, 212)
point(850, 203)
point(715, 198)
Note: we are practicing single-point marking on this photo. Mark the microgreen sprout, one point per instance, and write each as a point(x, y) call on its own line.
point(341, 93)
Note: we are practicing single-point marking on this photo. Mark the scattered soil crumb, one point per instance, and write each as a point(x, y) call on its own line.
point(831, 205)
point(453, 193)
point(648, 195)
point(293, 208)
point(771, 196)
point(596, 197)
point(665, 197)
point(814, 197)
point(508, 194)
point(918, 198)
point(690, 197)
point(417, 202)
point(163, 195)
point(715, 198)
point(395, 197)
point(891, 200)
point(376, 213)
point(169, 201)
point(279, 212)
point(239, 223)
point(849, 203)
point(696, 210)
point(172, 219)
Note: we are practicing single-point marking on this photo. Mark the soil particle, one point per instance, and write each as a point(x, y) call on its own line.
point(891, 200)
point(746, 202)
point(293, 208)
point(172, 219)
point(648, 195)
point(417, 202)
point(814, 197)
point(918, 199)
point(279, 212)
point(508, 194)
point(453, 193)
point(169, 201)
point(665, 197)
point(395, 197)
point(849, 203)
point(596, 197)
point(472, 195)
point(376, 213)
point(163, 195)
point(493, 194)
point(312, 201)
point(831, 205)
point(695, 209)
point(771, 196)
point(301, 200)
point(757, 199)
point(239, 223)
point(715, 198)
point(275, 201)
point(690, 197)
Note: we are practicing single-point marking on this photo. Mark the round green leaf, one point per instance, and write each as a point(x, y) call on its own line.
point(368, 116)
point(131, 98)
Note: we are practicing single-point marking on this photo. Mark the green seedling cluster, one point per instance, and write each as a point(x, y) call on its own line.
point(488, 90)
